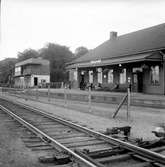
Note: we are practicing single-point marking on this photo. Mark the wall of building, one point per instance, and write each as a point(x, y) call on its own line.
point(148, 87)
point(36, 69)
point(40, 78)
point(28, 81)
point(18, 82)
point(73, 78)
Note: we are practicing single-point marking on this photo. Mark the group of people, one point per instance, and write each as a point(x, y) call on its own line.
point(84, 85)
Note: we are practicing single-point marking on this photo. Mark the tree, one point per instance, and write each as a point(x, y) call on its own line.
point(7, 70)
point(58, 56)
point(80, 51)
point(27, 54)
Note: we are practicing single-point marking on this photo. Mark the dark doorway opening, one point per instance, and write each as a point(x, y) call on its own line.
point(138, 82)
point(35, 81)
point(82, 82)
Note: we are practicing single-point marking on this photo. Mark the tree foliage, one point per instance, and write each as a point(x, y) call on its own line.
point(6, 70)
point(27, 54)
point(80, 51)
point(58, 56)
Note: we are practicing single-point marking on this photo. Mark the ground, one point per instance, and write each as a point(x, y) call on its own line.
point(13, 152)
point(142, 120)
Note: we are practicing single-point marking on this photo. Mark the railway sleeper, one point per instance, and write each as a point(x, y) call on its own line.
point(143, 159)
point(106, 153)
point(58, 159)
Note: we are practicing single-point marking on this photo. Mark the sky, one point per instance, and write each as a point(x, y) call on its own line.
point(73, 23)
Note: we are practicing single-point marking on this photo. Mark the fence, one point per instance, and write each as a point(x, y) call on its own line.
point(63, 96)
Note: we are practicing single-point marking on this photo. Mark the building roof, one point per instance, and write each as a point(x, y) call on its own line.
point(150, 56)
point(142, 41)
point(36, 61)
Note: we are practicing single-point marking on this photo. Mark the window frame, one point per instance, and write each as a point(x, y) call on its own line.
point(110, 74)
point(152, 81)
point(124, 71)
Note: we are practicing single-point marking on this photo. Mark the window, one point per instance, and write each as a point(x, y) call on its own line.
point(17, 70)
point(75, 75)
point(99, 75)
point(110, 76)
point(43, 80)
point(123, 76)
point(90, 76)
point(155, 74)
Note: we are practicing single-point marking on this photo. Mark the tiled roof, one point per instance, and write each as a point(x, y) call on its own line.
point(145, 40)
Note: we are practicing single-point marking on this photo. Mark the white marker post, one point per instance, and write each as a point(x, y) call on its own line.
point(89, 99)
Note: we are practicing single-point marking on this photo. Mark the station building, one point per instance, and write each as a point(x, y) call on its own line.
point(31, 72)
point(136, 59)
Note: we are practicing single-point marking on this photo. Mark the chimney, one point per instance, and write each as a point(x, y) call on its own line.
point(113, 35)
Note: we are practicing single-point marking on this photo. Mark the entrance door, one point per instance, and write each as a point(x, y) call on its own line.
point(82, 82)
point(137, 82)
point(35, 81)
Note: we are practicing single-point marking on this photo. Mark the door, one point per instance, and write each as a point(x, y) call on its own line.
point(82, 82)
point(140, 81)
point(137, 82)
point(35, 81)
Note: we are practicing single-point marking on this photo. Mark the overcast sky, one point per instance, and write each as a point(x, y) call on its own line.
point(33, 23)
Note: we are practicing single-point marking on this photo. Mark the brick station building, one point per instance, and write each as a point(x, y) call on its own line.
point(31, 72)
point(137, 57)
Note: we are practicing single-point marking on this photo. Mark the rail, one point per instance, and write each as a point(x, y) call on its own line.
point(41, 134)
point(152, 156)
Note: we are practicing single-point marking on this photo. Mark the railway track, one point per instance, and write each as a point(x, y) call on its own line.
point(83, 145)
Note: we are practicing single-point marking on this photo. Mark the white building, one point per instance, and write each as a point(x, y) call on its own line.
point(32, 72)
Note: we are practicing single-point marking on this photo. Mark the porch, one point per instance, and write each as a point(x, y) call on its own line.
point(143, 73)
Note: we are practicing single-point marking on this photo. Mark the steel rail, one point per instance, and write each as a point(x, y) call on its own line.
point(42, 134)
point(153, 156)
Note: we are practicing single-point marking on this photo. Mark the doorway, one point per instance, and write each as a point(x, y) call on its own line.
point(138, 82)
point(82, 82)
point(35, 81)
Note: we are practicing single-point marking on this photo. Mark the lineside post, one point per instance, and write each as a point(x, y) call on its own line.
point(48, 92)
point(37, 92)
point(65, 96)
point(89, 99)
point(1, 91)
point(128, 103)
